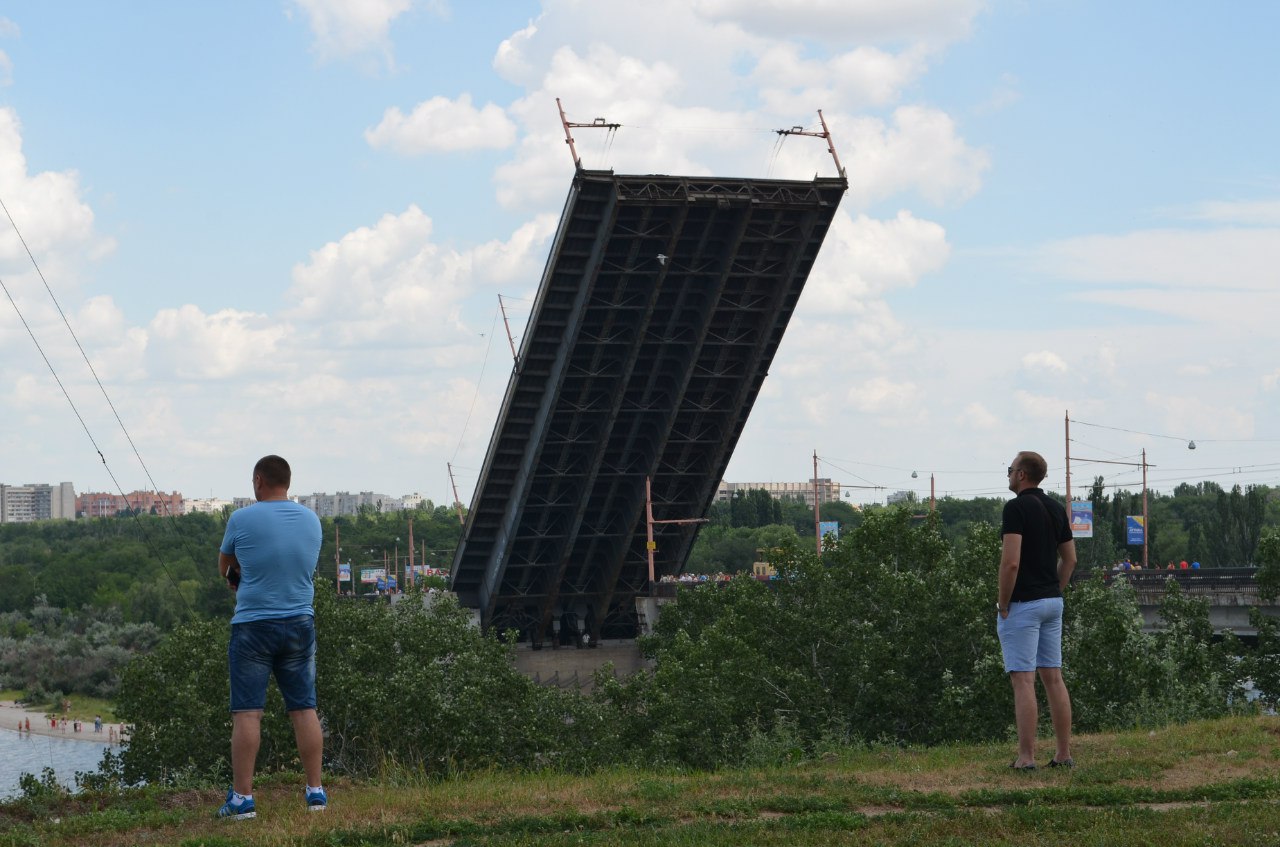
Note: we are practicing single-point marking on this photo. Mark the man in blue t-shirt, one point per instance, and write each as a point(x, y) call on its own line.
point(268, 557)
point(1037, 557)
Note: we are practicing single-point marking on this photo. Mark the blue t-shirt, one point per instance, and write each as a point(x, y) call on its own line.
point(277, 543)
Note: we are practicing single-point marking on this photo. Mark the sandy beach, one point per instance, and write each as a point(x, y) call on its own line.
point(13, 718)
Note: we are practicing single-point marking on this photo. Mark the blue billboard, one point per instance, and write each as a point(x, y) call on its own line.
point(1081, 519)
point(1135, 529)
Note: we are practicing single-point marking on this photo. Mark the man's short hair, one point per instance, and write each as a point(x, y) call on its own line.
point(1031, 464)
point(274, 471)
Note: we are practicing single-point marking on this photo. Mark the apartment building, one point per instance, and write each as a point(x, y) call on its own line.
point(37, 502)
point(101, 504)
point(828, 491)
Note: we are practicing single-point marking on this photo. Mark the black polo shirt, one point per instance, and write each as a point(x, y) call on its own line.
point(1043, 525)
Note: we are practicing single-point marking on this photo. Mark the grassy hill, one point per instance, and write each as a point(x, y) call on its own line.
point(1206, 783)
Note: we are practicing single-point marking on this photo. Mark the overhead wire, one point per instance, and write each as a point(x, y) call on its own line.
point(479, 380)
point(83, 424)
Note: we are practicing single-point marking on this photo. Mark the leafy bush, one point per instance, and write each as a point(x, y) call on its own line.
point(889, 635)
point(49, 649)
point(406, 686)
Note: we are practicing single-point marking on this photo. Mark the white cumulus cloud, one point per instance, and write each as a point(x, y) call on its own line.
point(443, 125)
point(863, 258)
point(56, 223)
point(920, 151)
point(392, 275)
point(345, 28)
point(977, 416)
point(1044, 360)
point(862, 77)
point(840, 20)
point(881, 395)
point(190, 344)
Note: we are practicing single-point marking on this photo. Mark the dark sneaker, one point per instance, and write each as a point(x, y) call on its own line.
point(237, 811)
point(317, 800)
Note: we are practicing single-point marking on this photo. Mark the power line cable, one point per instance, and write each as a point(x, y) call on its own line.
point(1179, 438)
point(53, 371)
point(105, 395)
point(479, 380)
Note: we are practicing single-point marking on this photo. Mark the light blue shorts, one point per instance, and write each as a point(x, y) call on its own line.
point(1031, 637)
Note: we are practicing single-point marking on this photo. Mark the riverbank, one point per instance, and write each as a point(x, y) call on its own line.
point(1209, 782)
point(15, 718)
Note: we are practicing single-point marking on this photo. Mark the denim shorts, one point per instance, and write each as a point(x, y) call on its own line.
point(1031, 637)
point(286, 647)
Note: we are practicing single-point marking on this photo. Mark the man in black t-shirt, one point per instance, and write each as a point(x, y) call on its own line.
point(1037, 556)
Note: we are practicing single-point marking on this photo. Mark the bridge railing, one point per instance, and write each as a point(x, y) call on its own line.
point(1149, 585)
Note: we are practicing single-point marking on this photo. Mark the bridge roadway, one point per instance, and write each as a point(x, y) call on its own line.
point(1231, 593)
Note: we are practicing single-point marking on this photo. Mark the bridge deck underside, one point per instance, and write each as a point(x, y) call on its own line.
point(659, 313)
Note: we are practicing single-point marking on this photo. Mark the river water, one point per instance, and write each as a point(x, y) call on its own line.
point(21, 753)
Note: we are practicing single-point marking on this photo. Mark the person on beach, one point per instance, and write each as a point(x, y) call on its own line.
point(268, 557)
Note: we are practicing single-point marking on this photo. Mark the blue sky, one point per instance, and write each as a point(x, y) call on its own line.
point(283, 227)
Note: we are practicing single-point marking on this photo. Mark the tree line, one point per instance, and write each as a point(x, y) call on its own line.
point(78, 599)
point(1197, 522)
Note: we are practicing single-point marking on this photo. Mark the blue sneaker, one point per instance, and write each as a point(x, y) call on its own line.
point(317, 799)
point(237, 811)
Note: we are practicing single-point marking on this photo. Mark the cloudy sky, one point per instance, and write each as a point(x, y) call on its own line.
point(284, 227)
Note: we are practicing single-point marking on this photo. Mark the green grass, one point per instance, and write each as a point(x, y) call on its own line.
point(1206, 783)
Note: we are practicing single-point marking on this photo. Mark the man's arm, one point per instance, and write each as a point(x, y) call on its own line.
point(1066, 563)
point(1010, 556)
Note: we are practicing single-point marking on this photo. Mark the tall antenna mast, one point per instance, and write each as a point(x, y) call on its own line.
point(825, 134)
point(598, 123)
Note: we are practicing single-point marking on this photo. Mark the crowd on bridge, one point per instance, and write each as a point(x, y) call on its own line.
point(695, 578)
point(1127, 565)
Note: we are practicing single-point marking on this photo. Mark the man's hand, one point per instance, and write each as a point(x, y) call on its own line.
point(229, 567)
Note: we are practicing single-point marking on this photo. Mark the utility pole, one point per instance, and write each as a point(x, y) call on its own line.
point(1146, 530)
point(457, 504)
point(817, 520)
point(1067, 425)
point(650, 545)
point(410, 573)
